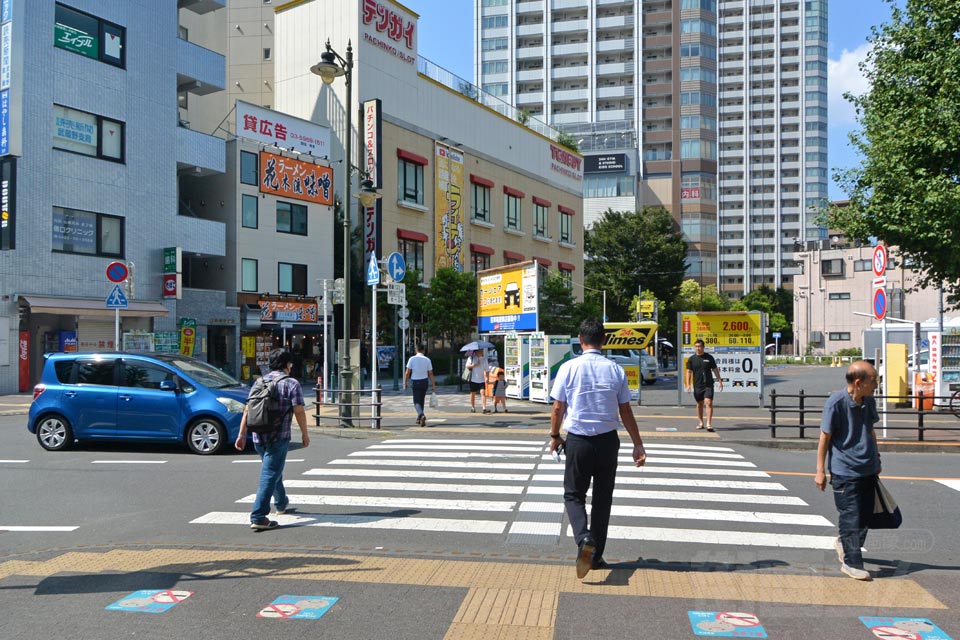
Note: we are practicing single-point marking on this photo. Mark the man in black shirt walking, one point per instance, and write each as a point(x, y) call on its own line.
point(699, 377)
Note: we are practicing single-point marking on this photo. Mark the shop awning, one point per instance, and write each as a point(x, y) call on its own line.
point(92, 307)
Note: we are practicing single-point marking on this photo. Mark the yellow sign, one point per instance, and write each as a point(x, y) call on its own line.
point(633, 375)
point(449, 204)
point(628, 335)
point(507, 298)
point(248, 345)
point(740, 330)
point(646, 309)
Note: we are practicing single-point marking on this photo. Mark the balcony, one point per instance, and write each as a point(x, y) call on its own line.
point(201, 6)
point(574, 48)
point(570, 26)
point(526, 53)
point(615, 44)
point(199, 70)
point(527, 99)
point(657, 113)
point(623, 91)
point(569, 118)
point(560, 73)
point(615, 69)
point(200, 153)
point(657, 89)
point(652, 18)
point(615, 22)
point(656, 137)
point(530, 75)
point(530, 30)
point(530, 7)
point(571, 95)
point(655, 42)
point(197, 235)
point(613, 114)
point(559, 5)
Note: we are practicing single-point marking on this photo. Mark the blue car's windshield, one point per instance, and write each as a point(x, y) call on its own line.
point(207, 375)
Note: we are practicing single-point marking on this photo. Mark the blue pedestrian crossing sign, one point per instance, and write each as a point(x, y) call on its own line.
point(396, 266)
point(373, 271)
point(116, 299)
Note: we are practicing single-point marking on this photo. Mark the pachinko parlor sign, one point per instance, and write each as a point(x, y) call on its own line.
point(390, 30)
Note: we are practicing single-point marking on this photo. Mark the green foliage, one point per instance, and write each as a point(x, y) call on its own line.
point(557, 307)
point(850, 351)
point(451, 305)
point(693, 297)
point(523, 116)
point(567, 140)
point(907, 189)
point(624, 250)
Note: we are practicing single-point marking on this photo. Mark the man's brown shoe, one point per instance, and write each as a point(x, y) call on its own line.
point(585, 557)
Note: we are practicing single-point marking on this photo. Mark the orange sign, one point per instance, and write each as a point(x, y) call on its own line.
point(273, 311)
point(295, 179)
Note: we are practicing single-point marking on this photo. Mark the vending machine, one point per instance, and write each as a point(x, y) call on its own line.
point(547, 353)
point(945, 365)
point(516, 365)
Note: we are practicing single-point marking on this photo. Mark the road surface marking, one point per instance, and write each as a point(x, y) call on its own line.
point(478, 446)
point(405, 486)
point(385, 521)
point(438, 463)
point(726, 537)
point(443, 454)
point(13, 461)
point(680, 513)
point(437, 475)
point(953, 484)
point(128, 462)
point(677, 482)
point(39, 529)
point(395, 502)
point(746, 498)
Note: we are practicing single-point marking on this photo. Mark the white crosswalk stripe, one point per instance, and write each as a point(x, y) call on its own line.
point(701, 494)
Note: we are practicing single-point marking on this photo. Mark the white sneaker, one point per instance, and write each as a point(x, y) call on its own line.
point(839, 547)
point(853, 572)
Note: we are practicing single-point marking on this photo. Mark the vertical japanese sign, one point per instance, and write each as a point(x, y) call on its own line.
point(8, 204)
point(6, 72)
point(172, 259)
point(372, 143)
point(188, 336)
point(449, 207)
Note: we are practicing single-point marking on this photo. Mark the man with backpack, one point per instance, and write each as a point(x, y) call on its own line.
point(273, 402)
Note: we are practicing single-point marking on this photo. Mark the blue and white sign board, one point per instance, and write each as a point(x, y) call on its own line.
point(298, 607)
point(879, 304)
point(904, 628)
point(150, 601)
point(373, 271)
point(726, 624)
point(116, 299)
point(396, 266)
point(776, 334)
point(285, 316)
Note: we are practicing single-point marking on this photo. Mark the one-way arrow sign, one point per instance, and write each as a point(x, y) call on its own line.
point(116, 299)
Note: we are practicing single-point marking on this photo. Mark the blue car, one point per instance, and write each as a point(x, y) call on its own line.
point(137, 397)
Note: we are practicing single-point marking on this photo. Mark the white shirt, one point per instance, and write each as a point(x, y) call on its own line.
point(593, 389)
point(479, 368)
point(419, 366)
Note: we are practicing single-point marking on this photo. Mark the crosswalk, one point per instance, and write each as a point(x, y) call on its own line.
point(512, 488)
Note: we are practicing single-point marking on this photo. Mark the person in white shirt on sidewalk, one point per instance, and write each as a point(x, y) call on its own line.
point(419, 372)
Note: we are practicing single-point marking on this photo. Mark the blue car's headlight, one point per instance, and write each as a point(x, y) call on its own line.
point(233, 406)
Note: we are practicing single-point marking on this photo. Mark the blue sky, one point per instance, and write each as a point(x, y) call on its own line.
point(446, 38)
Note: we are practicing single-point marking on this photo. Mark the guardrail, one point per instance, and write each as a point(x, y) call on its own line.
point(801, 409)
point(350, 404)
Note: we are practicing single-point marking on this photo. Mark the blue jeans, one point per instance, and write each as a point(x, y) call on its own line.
point(273, 457)
point(854, 497)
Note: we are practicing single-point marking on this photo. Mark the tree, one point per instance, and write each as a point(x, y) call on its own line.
point(567, 140)
point(557, 307)
point(624, 250)
point(907, 189)
point(451, 305)
point(694, 297)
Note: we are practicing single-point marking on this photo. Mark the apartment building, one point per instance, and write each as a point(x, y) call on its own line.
point(714, 109)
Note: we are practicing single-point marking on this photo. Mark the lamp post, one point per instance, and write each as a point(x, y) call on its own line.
point(333, 65)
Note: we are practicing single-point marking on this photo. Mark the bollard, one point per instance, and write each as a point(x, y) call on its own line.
point(773, 413)
point(920, 417)
point(802, 415)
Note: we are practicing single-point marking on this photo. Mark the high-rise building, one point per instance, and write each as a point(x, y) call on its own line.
point(693, 105)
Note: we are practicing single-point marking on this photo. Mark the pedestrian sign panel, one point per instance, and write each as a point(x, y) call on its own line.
point(116, 299)
point(726, 624)
point(903, 628)
point(298, 607)
point(373, 271)
point(150, 601)
point(396, 266)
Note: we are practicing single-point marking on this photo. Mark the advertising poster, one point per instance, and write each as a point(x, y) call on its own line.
point(734, 339)
point(188, 336)
point(295, 179)
point(507, 298)
point(274, 311)
point(449, 203)
point(281, 130)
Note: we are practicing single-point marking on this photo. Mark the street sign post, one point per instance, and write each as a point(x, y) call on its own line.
point(880, 303)
point(396, 266)
point(879, 260)
point(116, 301)
point(117, 272)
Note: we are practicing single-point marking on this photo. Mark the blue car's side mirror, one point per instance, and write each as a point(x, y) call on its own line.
point(168, 385)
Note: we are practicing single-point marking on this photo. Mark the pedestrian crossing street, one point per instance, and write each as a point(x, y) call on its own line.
point(702, 494)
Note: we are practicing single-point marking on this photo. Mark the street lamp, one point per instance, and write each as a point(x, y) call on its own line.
point(333, 65)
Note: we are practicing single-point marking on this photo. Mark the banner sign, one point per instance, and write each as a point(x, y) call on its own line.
point(188, 336)
point(609, 163)
point(281, 130)
point(8, 204)
point(372, 141)
point(295, 179)
point(449, 204)
point(734, 339)
point(392, 32)
point(273, 311)
point(24, 361)
point(628, 335)
point(507, 298)
point(172, 259)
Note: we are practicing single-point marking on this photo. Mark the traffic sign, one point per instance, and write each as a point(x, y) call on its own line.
point(396, 266)
point(373, 271)
point(880, 303)
point(117, 272)
point(880, 283)
point(116, 299)
point(879, 260)
point(776, 334)
point(404, 323)
point(403, 312)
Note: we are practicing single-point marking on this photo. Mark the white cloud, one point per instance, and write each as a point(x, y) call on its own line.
point(844, 75)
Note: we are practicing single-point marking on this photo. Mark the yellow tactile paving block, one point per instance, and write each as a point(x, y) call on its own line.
point(513, 577)
point(505, 613)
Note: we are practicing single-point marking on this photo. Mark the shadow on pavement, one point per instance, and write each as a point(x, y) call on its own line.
point(621, 572)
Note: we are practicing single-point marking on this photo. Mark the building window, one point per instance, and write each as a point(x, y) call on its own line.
point(839, 296)
point(698, 97)
point(481, 202)
point(412, 252)
point(495, 66)
point(493, 44)
point(248, 275)
point(511, 209)
point(567, 276)
point(292, 278)
point(706, 149)
point(410, 181)
point(87, 233)
point(479, 261)
point(88, 36)
point(693, 74)
point(698, 26)
point(840, 335)
point(698, 122)
point(863, 265)
point(86, 133)
point(267, 53)
point(250, 216)
point(540, 221)
point(497, 88)
point(494, 22)
point(291, 218)
point(696, 49)
point(249, 171)
point(566, 228)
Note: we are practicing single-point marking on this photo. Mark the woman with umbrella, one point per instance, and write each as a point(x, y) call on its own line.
point(477, 373)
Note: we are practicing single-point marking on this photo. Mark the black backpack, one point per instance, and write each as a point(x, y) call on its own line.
point(263, 406)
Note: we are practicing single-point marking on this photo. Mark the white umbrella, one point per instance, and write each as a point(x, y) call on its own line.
point(477, 345)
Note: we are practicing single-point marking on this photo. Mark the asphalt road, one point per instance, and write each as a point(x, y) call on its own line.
point(421, 533)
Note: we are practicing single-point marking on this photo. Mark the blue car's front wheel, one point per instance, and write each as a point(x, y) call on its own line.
point(54, 432)
point(206, 436)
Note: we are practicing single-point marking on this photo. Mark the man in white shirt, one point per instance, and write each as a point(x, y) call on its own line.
point(419, 370)
point(591, 398)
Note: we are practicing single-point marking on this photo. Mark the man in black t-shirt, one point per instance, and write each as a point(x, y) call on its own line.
point(701, 369)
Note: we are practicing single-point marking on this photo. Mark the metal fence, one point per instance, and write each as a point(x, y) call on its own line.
point(347, 407)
